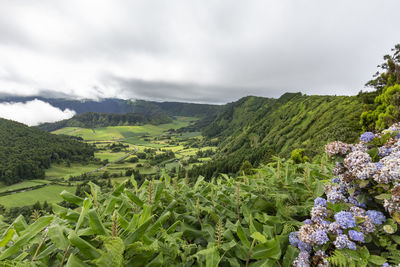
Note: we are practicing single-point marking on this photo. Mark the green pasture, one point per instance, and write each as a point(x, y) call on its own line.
point(111, 156)
point(50, 193)
point(126, 133)
point(62, 171)
point(24, 184)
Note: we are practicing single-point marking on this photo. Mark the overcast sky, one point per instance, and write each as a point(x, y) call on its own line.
point(198, 51)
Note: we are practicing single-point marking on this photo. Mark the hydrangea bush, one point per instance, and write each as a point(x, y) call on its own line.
point(356, 223)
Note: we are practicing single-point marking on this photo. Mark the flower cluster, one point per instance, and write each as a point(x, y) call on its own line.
point(367, 137)
point(365, 186)
point(337, 147)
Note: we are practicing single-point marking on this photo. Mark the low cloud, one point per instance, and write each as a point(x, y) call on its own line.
point(33, 112)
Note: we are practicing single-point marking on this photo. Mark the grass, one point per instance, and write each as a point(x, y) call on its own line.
point(111, 156)
point(24, 184)
point(130, 134)
point(62, 171)
point(50, 193)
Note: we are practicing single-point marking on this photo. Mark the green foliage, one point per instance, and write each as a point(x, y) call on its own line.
point(256, 128)
point(93, 120)
point(246, 168)
point(387, 110)
point(25, 152)
point(299, 156)
point(384, 111)
point(170, 222)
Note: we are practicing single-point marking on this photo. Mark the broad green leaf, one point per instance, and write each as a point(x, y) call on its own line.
point(134, 198)
point(157, 225)
point(138, 233)
point(95, 222)
point(259, 237)
point(228, 246)
point(26, 236)
point(172, 228)
point(7, 237)
point(120, 188)
point(159, 190)
point(290, 255)
point(74, 261)
point(378, 260)
point(56, 234)
point(71, 198)
point(212, 256)
point(146, 213)
point(84, 247)
point(20, 224)
point(85, 208)
point(268, 250)
point(46, 252)
point(242, 236)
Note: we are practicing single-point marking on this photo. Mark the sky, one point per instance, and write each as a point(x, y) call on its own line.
point(209, 51)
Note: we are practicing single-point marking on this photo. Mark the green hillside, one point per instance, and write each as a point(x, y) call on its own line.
point(122, 106)
point(255, 128)
point(92, 120)
point(25, 152)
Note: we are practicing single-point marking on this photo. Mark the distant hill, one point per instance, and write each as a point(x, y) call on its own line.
point(25, 152)
point(121, 106)
point(256, 128)
point(93, 119)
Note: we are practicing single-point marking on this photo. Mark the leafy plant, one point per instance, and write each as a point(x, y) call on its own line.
point(169, 222)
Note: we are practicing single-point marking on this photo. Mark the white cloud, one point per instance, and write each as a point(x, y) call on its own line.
point(33, 112)
point(313, 46)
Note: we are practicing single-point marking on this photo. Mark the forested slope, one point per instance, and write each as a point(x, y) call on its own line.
point(93, 119)
point(256, 128)
point(122, 106)
point(26, 151)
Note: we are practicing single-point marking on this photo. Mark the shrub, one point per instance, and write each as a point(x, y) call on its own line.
point(357, 221)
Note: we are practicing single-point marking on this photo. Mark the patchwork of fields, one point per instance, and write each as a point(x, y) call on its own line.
point(153, 140)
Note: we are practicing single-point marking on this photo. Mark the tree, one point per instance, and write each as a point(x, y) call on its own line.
point(385, 108)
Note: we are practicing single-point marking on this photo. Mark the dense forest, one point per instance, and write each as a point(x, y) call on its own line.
point(25, 152)
point(93, 119)
point(255, 128)
point(121, 106)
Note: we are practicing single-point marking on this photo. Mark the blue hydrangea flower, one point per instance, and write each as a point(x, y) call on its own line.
point(302, 260)
point(294, 241)
point(319, 237)
point(378, 165)
point(367, 137)
point(319, 201)
point(356, 236)
point(386, 265)
point(308, 221)
point(335, 180)
point(345, 219)
point(304, 246)
point(341, 241)
point(351, 245)
point(376, 217)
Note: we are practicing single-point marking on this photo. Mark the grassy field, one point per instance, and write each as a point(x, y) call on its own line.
point(62, 171)
point(24, 184)
point(129, 134)
point(138, 137)
point(111, 156)
point(50, 193)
